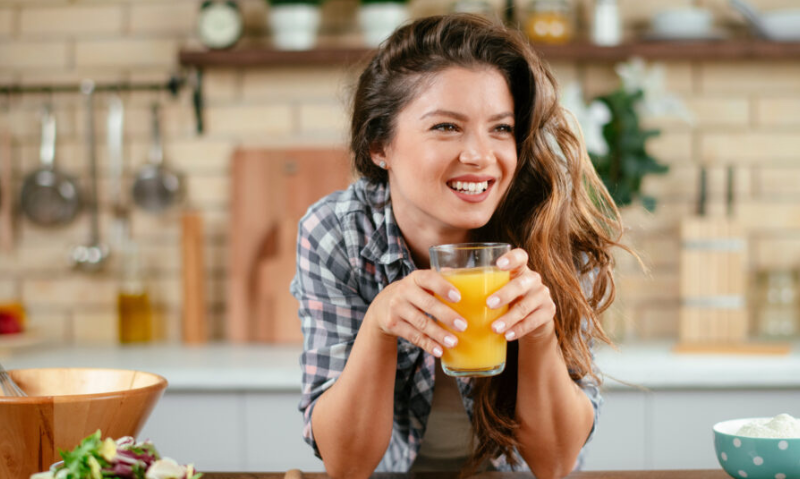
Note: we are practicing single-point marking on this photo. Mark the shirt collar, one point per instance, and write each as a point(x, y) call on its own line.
point(386, 244)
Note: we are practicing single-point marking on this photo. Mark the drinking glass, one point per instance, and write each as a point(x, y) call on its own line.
point(471, 268)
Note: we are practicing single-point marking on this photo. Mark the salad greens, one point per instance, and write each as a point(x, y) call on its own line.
point(96, 458)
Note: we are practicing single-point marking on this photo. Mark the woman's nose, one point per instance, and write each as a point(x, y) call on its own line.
point(476, 151)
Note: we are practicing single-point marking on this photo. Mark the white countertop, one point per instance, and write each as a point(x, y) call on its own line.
point(229, 367)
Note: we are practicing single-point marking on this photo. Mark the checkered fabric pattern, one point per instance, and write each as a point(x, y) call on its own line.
point(349, 248)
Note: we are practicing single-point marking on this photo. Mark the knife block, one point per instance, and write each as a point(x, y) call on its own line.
point(712, 283)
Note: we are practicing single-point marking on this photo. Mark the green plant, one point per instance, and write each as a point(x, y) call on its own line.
point(627, 162)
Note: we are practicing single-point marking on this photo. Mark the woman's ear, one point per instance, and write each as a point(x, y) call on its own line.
point(378, 154)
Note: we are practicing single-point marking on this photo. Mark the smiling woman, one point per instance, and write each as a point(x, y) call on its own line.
point(458, 137)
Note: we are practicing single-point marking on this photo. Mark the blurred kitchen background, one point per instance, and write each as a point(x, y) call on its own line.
point(742, 134)
point(745, 116)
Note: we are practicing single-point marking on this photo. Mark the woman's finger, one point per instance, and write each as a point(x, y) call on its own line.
point(542, 315)
point(428, 326)
point(404, 329)
point(523, 307)
point(513, 260)
point(422, 299)
point(517, 287)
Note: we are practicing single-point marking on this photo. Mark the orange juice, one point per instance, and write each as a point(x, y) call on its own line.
point(480, 351)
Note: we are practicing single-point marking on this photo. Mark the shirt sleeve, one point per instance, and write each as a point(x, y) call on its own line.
point(330, 308)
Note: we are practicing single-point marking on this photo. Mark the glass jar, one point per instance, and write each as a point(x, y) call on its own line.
point(778, 305)
point(549, 21)
point(133, 303)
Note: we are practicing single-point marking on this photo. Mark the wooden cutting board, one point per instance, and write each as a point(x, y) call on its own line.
point(271, 191)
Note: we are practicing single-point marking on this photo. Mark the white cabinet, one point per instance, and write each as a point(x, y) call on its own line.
point(671, 429)
point(262, 431)
point(273, 434)
point(231, 431)
point(621, 438)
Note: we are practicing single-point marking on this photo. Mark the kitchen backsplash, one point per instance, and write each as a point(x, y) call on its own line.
point(747, 114)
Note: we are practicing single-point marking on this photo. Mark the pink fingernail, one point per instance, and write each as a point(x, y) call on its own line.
point(454, 296)
point(460, 324)
point(450, 341)
point(437, 351)
point(502, 262)
point(498, 327)
point(493, 301)
point(510, 335)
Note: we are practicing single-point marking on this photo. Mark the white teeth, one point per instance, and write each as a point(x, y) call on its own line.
point(470, 188)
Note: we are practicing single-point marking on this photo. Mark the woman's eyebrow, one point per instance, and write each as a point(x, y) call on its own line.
point(462, 117)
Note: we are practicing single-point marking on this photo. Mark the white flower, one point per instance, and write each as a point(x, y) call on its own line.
point(43, 475)
point(657, 102)
point(165, 469)
point(591, 118)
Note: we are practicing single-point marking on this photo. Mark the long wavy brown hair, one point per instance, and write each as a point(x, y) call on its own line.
point(556, 208)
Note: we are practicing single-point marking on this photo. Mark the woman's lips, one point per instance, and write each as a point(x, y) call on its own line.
point(469, 191)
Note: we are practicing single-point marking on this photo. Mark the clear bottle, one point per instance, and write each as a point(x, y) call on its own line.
point(133, 303)
point(549, 21)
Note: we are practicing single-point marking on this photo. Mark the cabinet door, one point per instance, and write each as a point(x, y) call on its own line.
point(683, 421)
point(201, 428)
point(274, 434)
point(621, 440)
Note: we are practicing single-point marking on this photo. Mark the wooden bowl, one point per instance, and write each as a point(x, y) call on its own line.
point(63, 406)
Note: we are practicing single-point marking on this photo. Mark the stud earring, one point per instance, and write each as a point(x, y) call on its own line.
point(383, 165)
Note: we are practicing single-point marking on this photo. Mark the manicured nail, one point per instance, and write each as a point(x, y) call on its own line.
point(454, 296)
point(502, 262)
point(499, 327)
point(510, 335)
point(437, 351)
point(450, 341)
point(493, 301)
point(460, 324)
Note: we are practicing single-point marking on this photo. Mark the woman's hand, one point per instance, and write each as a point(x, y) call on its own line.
point(531, 309)
point(400, 311)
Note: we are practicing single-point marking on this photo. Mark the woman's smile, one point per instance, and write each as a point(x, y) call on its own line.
point(471, 188)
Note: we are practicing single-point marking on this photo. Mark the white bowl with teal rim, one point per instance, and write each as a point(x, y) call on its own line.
point(755, 457)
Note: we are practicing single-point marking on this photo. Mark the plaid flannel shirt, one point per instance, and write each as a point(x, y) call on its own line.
point(349, 248)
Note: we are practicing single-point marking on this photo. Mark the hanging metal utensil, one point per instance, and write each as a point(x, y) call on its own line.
point(92, 256)
point(49, 197)
point(114, 131)
point(6, 200)
point(157, 187)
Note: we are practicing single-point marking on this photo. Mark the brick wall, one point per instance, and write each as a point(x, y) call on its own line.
point(748, 115)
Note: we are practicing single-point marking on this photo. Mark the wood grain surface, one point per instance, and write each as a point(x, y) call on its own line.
point(672, 474)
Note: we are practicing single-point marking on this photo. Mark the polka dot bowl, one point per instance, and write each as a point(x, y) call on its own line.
point(755, 457)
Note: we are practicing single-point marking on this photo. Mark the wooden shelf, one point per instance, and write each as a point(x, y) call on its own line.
point(263, 56)
point(688, 50)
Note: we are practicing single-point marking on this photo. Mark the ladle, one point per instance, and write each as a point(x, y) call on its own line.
point(91, 257)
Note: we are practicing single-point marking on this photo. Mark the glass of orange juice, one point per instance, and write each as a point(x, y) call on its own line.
point(471, 268)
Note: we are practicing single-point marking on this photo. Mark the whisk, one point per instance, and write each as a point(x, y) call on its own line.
point(9, 387)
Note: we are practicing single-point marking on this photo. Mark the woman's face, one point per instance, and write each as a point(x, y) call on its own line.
point(453, 154)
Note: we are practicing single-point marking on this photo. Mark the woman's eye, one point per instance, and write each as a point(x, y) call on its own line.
point(505, 128)
point(445, 127)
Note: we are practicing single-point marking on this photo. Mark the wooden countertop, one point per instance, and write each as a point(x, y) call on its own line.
point(672, 474)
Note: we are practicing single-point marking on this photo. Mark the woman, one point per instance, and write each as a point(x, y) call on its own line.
point(458, 136)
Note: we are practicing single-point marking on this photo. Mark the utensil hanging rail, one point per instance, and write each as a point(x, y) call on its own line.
point(173, 85)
